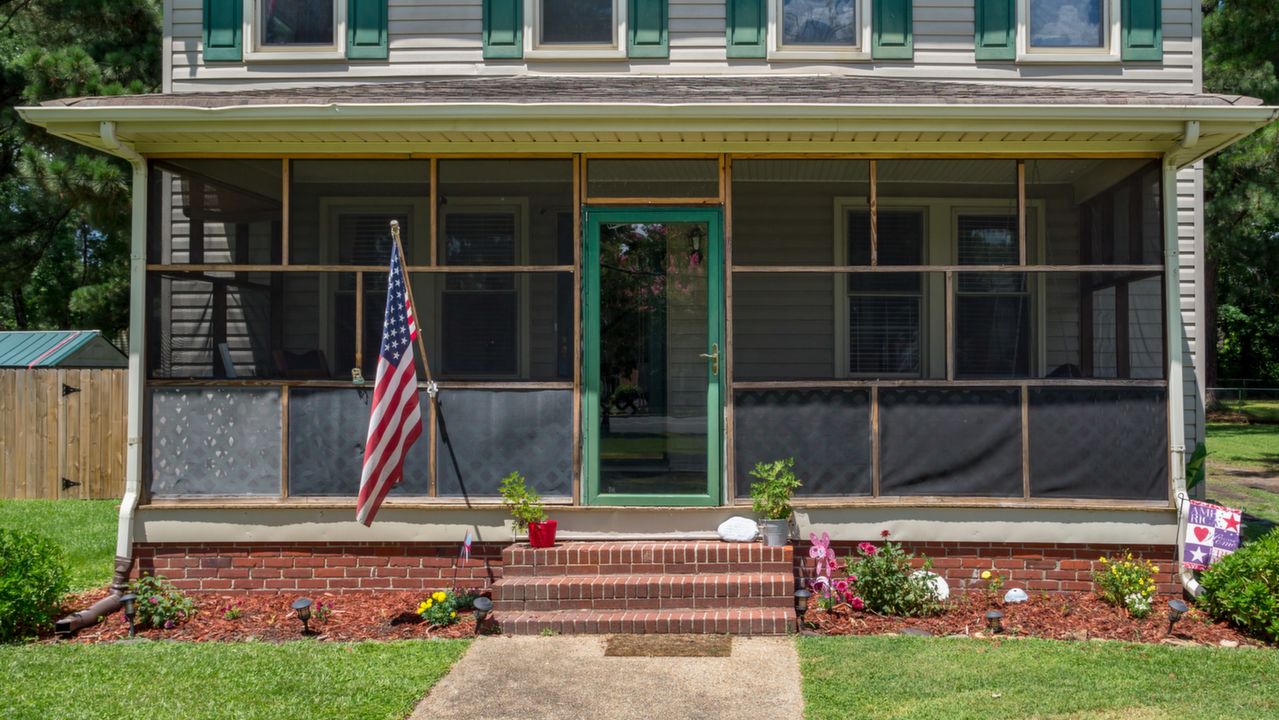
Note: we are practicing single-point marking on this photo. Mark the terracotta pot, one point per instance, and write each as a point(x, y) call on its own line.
point(541, 534)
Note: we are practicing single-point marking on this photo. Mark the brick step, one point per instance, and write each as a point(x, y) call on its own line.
point(646, 592)
point(644, 558)
point(751, 621)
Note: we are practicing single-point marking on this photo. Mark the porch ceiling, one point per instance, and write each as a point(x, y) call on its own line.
point(803, 114)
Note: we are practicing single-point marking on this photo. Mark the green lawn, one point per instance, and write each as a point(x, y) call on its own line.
point(902, 677)
point(1254, 446)
point(305, 680)
point(84, 528)
point(1258, 411)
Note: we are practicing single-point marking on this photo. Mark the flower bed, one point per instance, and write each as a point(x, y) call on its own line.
point(375, 615)
point(1080, 616)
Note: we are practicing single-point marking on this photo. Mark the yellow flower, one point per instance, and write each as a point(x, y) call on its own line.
point(453, 614)
point(1154, 569)
point(1103, 559)
point(985, 574)
point(439, 596)
point(422, 608)
point(426, 604)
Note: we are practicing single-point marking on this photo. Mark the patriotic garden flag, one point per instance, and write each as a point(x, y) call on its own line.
point(396, 419)
point(1212, 532)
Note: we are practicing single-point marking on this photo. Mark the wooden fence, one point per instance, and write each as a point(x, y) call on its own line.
point(62, 433)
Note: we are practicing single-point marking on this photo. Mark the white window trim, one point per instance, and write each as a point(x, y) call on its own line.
point(535, 50)
point(1109, 53)
point(518, 207)
point(777, 51)
point(255, 50)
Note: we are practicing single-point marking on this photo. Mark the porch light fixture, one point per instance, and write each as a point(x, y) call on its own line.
point(1176, 608)
point(995, 621)
point(130, 609)
point(481, 605)
point(801, 604)
point(302, 606)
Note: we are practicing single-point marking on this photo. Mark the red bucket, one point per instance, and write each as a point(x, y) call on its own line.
point(541, 534)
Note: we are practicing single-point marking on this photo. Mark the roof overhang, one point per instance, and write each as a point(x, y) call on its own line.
point(1186, 133)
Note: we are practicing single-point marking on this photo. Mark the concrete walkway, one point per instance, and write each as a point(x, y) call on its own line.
point(524, 678)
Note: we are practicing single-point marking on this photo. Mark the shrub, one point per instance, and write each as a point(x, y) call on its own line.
point(443, 606)
point(1242, 588)
point(1127, 583)
point(33, 578)
point(887, 583)
point(770, 497)
point(160, 605)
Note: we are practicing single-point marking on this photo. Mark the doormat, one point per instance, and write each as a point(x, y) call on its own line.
point(669, 646)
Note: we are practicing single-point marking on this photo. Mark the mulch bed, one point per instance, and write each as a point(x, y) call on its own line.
point(375, 615)
point(1077, 616)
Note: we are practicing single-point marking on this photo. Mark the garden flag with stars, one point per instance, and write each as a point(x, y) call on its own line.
point(1212, 532)
point(396, 420)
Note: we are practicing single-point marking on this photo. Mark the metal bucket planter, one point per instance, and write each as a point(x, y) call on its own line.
point(776, 533)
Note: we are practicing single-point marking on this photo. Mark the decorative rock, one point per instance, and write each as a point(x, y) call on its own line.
point(1016, 595)
point(941, 589)
point(1077, 635)
point(738, 529)
point(1229, 643)
point(915, 632)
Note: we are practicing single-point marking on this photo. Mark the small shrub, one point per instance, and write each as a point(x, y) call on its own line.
point(1242, 588)
point(232, 612)
point(888, 584)
point(1127, 582)
point(442, 607)
point(524, 504)
point(33, 578)
point(770, 497)
point(322, 611)
point(160, 605)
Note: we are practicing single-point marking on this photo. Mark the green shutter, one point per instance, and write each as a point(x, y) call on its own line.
point(647, 29)
point(1143, 33)
point(891, 37)
point(747, 29)
point(503, 28)
point(223, 26)
point(366, 30)
point(996, 30)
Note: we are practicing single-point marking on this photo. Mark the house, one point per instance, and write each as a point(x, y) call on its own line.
point(947, 255)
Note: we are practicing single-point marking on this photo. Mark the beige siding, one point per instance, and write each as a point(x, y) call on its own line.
point(444, 38)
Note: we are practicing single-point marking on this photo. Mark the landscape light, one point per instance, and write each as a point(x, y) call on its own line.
point(130, 609)
point(1176, 608)
point(995, 621)
point(481, 605)
point(801, 604)
point(302, 606)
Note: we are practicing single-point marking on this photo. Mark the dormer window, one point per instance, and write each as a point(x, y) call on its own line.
point(575, 29)
point(295, 29)
point(819, 29)
point(1068, 30)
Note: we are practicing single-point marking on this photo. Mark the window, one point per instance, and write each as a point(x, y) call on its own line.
point(295, 29)
point(885, 309)
point(575, 28)
point(1068, 30)
point(819, 29)
point(992, 310)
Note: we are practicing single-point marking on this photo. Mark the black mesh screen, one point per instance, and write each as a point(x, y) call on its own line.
point(827, 431)
point(484, 435)
point(955, 441)
point(1099, 443)
point(327, 429)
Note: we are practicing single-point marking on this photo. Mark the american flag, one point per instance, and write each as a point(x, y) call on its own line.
point(396, 420)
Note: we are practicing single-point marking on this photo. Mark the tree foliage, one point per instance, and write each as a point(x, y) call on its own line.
point(64, 232)
point(1241, 53)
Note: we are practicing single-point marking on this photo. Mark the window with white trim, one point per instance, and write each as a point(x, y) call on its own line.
point(819, 29)
point(1067, 30)
point(294, 29)
point(575, 29)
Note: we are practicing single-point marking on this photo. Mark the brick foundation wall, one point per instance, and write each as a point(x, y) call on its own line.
point(338, 567)
point(334, 567)
point(1034, 567)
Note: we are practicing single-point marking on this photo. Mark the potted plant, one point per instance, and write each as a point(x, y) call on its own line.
point(770, 498)
point(526, 509)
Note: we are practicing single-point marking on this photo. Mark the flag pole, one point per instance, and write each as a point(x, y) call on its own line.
point(431, 388)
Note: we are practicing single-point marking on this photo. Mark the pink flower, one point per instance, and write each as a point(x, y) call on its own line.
point(857, 603)
point(153, 599)
point(852, 578)
point(867, 549)
point(841, 586)
point(883, 533)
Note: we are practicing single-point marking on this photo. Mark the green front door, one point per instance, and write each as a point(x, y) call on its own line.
point(653, 314)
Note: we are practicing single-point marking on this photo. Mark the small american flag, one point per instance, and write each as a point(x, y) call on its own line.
point(396, 420)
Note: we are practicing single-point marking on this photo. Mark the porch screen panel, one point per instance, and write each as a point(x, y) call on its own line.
point(214, 211)
point(950, 441)
point(214, 441)
point(484, 435)
point(827, 431)
point(988, 185)
point(1099, 442)
point(666, 178)
point(327, 429)
point(505, 212)
point(340, 211)
point(784, 326)
point(782, 209)
point(1098, 211)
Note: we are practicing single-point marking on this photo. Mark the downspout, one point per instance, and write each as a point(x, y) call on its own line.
point(133, 452)
point(1176, 364)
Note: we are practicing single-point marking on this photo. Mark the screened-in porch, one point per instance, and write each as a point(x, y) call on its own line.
point(640, 330)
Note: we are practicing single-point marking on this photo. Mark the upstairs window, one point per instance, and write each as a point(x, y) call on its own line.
point(576, 28)
point(1068, 30)
point(295, 29)
point(819, 29)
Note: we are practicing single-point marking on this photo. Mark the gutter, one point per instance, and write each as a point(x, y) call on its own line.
point(133, 453)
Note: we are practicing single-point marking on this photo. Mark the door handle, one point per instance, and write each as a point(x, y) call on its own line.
point(713, 357)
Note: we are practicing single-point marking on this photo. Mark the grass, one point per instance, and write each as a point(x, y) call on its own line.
point(85, 529)
point(1258, 411)
point(920, 678)
point(305, 680)
point(1253, 446)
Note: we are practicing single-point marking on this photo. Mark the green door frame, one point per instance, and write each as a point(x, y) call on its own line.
point(592, 219)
